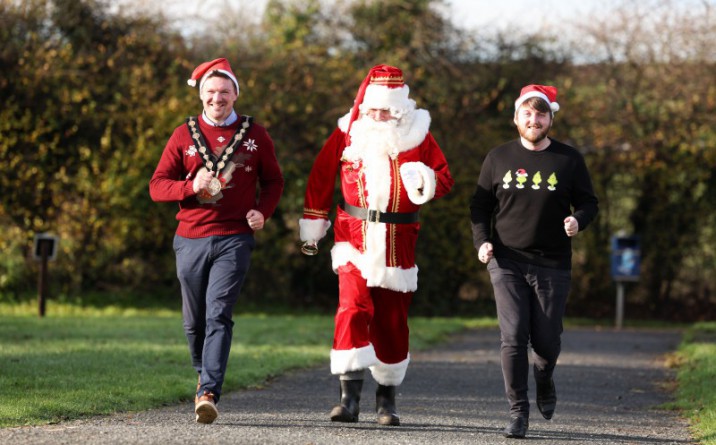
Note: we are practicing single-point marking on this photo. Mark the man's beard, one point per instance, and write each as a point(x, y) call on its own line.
point(369, 135)
point(533, 136)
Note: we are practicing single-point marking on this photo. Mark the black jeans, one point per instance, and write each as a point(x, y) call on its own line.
point(530, 306)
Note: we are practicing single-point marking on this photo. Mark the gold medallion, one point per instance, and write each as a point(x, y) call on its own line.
point(212, 163)
point(214, 186)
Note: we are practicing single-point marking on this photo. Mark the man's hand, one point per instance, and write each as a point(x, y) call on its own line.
point(255, 219)
point(485, 252)
point(571, 226)
point(202, 180)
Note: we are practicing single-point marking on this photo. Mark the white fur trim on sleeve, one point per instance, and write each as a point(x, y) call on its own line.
point(313, 229)
point(429, 182)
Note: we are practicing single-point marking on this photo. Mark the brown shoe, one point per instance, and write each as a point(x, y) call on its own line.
point(205, 408)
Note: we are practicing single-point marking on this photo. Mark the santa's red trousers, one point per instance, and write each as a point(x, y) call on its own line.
point(371, 315)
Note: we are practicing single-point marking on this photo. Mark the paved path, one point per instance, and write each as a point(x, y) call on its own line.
point(609, 385)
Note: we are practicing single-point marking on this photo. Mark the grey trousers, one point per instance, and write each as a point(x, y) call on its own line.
point(531, 301)
point(211, 272)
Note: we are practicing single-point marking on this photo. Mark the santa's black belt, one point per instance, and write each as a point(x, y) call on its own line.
point(380, 217)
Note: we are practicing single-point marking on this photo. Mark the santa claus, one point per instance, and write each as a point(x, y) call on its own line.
point(389, 165)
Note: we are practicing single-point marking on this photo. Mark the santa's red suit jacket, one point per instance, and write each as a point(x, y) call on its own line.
point(372, 176)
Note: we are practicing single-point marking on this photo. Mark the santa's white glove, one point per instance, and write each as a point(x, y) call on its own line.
point(412, 179)
point(310, 232)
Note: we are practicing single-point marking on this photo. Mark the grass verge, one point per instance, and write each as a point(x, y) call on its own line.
point(696, 393)
point(80, 362)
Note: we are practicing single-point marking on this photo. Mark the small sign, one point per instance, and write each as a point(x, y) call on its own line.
point(47, 243)
point(626, 258)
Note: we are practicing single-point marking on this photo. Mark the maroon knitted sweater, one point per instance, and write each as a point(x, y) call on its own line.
point(255, 168)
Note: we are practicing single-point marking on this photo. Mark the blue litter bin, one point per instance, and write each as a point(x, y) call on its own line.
point(626, 258)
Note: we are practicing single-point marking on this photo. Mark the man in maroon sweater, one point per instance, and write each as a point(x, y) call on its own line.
point(212, 166)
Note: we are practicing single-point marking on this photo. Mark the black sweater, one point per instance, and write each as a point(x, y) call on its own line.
point(522, 198)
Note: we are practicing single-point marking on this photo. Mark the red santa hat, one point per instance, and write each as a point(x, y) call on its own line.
point(383, 88)
point(546, 92)
point(202, 72)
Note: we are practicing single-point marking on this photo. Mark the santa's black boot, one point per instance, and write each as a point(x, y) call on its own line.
point(385, 405)
point(348, 409)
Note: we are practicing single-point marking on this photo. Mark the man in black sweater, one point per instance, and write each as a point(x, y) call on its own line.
point(534, 193)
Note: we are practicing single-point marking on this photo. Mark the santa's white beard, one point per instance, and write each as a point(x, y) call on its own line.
point(372, 137)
